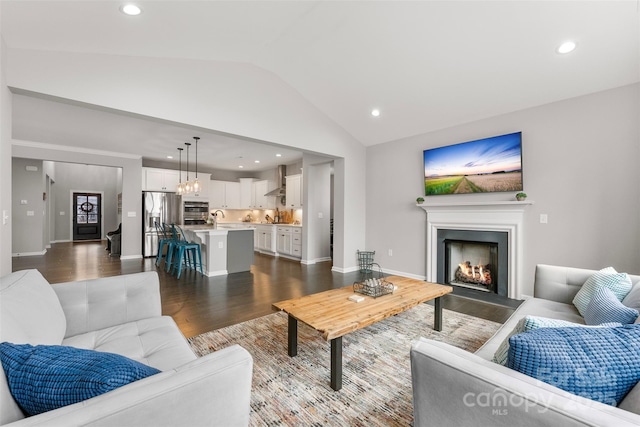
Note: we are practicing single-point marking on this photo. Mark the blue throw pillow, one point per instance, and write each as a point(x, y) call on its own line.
point(529, 323)
point(619, 283)
point(47, 377)
point(606, 307)
point(601, 364)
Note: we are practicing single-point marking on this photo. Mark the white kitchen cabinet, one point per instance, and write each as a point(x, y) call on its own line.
point(294, 191)
point(159, 179)
point(260, 188)
point(224, 195)
point(264, 238)
point(289, 241)
point(247, 197)
point(204, 193)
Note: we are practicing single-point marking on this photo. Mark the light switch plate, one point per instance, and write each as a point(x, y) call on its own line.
point(131, 214)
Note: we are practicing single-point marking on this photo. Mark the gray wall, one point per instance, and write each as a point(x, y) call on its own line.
point(5, 165)
point(78, 177)
point(580, 167)
point(28, 187)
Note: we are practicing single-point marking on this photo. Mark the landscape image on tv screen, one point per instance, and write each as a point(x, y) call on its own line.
point(481, 166)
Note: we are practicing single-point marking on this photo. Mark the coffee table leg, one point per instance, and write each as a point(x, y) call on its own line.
point(437, 318)
point(292, 336)
point(336, 363)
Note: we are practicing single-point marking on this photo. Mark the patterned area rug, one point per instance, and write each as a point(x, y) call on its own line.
point(376, 384)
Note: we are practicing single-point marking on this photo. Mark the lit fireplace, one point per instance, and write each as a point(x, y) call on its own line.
point(473, 259)
point(471, 264)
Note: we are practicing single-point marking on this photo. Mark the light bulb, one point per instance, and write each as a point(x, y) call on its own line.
point(196, 186)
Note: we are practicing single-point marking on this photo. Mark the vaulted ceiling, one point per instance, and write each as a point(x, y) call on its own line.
point(425, 65)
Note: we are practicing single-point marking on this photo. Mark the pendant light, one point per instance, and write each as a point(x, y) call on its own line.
point(188, 188)
point(196, 183)
point(180, 188)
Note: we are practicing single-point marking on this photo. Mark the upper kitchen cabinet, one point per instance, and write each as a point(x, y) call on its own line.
point(224, 195)
point(203, 194)
point(294, 191)
point(159, 179)
point(260, 188)
point(247, 196)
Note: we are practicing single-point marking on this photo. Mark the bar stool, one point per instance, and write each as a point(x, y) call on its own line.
point(164, 239)
point(185, 253)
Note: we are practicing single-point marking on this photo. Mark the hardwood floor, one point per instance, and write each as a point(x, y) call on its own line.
point(199, 304)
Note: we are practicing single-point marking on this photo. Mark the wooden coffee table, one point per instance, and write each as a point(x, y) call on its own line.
point(334, 315)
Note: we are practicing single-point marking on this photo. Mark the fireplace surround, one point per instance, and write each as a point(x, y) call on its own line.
point(492, 216)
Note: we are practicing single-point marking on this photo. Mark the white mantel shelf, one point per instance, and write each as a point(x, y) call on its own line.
point(490, 203)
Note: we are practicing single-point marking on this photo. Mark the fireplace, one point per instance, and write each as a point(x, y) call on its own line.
point(503, 217)
point(474, 259)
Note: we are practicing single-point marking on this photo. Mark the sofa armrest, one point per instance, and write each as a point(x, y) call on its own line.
point(212, 390)
point(452, 387)
point(95, 304)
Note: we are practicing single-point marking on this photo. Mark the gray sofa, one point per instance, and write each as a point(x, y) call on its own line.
point(452, 387)
point(122, 315)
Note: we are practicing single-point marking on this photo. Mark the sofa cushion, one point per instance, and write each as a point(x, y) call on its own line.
point(530, 307)
point(601, 364)
point(618, 283)
point(631, 401)
point(605, 307)
point(633, 297)
point(530, 323)
point(43, 377)
point(156, 342)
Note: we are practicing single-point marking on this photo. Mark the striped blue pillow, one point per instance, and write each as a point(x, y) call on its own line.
point(47, 377)
point(605, 307)
point(619, 283)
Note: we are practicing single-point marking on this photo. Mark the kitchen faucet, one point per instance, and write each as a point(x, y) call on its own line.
point(215, 218)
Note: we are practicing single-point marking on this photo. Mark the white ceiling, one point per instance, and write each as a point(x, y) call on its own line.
point(426, 65)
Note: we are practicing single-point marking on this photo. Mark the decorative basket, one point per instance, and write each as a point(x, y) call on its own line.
point(374, 286)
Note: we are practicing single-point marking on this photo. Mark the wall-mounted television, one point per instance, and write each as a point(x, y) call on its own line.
point(481, 166)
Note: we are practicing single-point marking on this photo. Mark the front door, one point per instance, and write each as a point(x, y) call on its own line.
point(87, 218)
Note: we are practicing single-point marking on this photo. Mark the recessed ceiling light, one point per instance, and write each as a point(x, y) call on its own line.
point(169, 157)
point(240, 167)
point(278, 155)
point(256, 161)
point(567, 47)
point(375, 112)
point(131, 9)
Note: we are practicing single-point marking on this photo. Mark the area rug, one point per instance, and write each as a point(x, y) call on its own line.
point(376, 384)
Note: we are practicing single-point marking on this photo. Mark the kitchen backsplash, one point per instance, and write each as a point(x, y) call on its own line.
point(260, 215)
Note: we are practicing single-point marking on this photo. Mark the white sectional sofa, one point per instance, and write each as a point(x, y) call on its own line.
point(452, 387)
point(122, 315)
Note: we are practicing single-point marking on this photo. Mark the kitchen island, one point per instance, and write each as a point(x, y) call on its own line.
point(224, 250)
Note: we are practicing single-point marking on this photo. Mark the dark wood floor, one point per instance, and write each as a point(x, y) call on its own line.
point(199, 304)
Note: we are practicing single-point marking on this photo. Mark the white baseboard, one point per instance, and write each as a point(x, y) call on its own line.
point(19, 254)
point(315, 261)
point(403, 274)
point(123, 257)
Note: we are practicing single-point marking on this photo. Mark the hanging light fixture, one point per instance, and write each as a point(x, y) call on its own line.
point(196, 183)
point(180, 188)
point(188, 187)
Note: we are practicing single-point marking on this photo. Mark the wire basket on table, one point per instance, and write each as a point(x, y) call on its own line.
point(365, 261)
point(374, 286)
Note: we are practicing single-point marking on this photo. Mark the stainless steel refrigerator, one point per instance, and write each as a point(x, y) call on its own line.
point(158, 207)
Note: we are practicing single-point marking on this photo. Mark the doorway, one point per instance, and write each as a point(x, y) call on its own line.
point(87, 216)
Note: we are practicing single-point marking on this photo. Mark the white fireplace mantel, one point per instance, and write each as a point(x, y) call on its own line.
point(503, 216)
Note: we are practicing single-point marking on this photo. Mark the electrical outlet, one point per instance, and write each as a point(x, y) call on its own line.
point(220, 245)
point(544, 219)
point(23, 202)
point(31, 213)
point(390, 252)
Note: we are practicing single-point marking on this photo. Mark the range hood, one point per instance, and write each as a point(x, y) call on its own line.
point(282, 182)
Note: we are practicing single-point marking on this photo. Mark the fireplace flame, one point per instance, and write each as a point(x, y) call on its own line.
point(478, 274)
